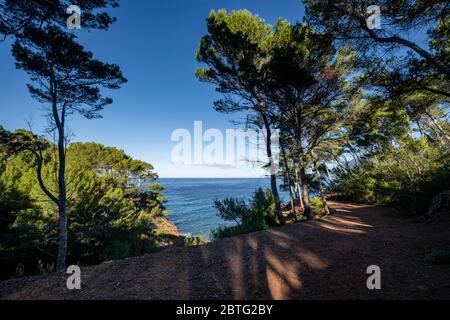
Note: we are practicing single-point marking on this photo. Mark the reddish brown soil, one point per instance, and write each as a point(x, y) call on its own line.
point(325, 259)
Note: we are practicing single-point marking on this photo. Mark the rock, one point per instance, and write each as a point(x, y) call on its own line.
point(168, 233)
point(164, 225)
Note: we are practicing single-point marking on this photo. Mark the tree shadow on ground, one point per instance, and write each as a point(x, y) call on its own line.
point(323, 259)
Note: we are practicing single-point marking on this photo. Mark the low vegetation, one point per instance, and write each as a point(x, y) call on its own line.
point(407, 174)
point(254, 215)
point(362, 114)
point(115, 202)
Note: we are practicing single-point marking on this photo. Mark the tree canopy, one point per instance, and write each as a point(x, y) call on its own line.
point(114, 205)
point(17, 16)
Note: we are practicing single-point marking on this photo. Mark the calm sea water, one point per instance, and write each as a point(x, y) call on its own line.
point(190, 201)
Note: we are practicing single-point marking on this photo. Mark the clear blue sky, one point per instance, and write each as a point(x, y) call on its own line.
point(155, 43)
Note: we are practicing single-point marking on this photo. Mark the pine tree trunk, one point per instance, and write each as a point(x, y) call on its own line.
point(299, 189)
point(273, 177)
point(305, 190)
point(306, 202)
point(321, 190)
point(62, 206)
point(443, 135)
point(62, 247)
point(328, 173)
point(62, 196)
point(288, 174)
point(278, 212)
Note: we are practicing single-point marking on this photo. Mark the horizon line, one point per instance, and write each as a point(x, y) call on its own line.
point(213, 177)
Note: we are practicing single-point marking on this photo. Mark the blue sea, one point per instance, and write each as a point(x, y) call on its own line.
point(191, 201)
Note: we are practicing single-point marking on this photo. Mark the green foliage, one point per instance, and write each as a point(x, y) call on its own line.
point(258, 214)
point(235, 55)
point(233, 210)
point(406, 174)
point(15, 16)
point(263, 208)
point(223, 232)
point(317, 206)
point(67, 79)
point(113, 202)
point(194, 241)
point(391, 62)
point(52, 56)
point(376, 121)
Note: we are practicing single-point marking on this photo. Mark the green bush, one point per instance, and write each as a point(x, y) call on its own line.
point(407, 175)
point(317, 206)
point(118, 250)
point(111, 216)
point(194, 241)
point(235, 210)
point(258, 214)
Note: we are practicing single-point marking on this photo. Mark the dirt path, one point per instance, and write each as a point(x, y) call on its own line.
point(324, 259)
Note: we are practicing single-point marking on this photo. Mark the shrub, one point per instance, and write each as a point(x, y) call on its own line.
point(406, 175)
point(194, 241)
point(235, 210)
point(258, 214)
point(111, 215)
point(317, 206)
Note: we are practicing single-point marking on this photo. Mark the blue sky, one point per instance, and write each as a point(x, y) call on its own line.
point(155, 43)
